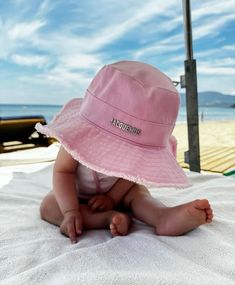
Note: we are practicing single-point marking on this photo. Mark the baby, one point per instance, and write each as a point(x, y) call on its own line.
point(113, 142)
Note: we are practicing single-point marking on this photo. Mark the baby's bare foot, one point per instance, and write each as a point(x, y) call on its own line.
point(184, 218)
point(119, 224)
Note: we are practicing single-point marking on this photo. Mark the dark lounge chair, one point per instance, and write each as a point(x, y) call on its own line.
point(19, 132)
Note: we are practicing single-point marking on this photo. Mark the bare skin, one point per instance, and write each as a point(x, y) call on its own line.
point(168, 221)
point(61, 207)
point(118, 223)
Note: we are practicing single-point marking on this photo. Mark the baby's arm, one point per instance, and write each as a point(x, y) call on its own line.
point(65, 193)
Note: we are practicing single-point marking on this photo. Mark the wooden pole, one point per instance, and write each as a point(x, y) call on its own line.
point(191, 93)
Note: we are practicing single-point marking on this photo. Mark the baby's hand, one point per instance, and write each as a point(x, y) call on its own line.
point(101, 203)
point(72, 225)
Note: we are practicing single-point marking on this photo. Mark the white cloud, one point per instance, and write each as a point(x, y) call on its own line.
point(217, 82)
point(229, 47)
point(45, 7)
point(24, 30)
point(157, 49)
point(206, 8)
point(177, 58)
point(208, 19)
point(224, 55)
point(80, 61)
point(169, 44)
point(144, 13)
point(17, 35)
point(6, 45)
point(30, 60)
point(227, 61)
point(211, 27)
point(63, 77)
point(214, 69)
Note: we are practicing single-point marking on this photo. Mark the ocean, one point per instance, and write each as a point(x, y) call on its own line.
point(49, 111)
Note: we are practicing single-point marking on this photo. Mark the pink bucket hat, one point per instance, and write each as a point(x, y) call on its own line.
point(123, 125)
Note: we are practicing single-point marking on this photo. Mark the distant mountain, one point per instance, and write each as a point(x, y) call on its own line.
point(212, 99)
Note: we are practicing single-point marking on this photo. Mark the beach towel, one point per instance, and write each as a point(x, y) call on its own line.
point(33, 251)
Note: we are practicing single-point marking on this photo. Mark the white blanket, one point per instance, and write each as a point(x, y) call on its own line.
point(34, 252)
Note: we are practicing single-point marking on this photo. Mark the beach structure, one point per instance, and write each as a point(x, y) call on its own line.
point(189, 81)
point(18, 132)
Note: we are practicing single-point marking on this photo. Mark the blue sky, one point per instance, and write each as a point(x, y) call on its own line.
point(51, 49)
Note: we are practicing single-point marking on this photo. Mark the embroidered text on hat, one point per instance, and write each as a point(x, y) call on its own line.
point(125, 127)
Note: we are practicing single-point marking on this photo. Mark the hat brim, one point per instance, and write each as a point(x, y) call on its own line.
point(106, 153)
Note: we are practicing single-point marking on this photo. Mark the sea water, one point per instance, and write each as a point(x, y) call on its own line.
point(49, 111)
point(209, 114)
point(12, 110)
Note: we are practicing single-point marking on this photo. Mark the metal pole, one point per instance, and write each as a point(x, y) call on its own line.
point(188, 29)
point(191, 92)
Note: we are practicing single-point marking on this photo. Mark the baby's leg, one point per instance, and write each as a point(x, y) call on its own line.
point(117, 222)
point(170, 221)
point(50, 211)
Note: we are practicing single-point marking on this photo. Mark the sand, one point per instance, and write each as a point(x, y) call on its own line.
point(217, 145)
point(211, 133)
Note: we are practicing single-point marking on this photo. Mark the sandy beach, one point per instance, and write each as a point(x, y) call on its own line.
point(211, 133)
point(217, 145)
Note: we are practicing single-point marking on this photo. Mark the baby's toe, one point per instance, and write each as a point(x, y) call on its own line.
point(117, 220)
point(209, 215)
point(113, 230)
